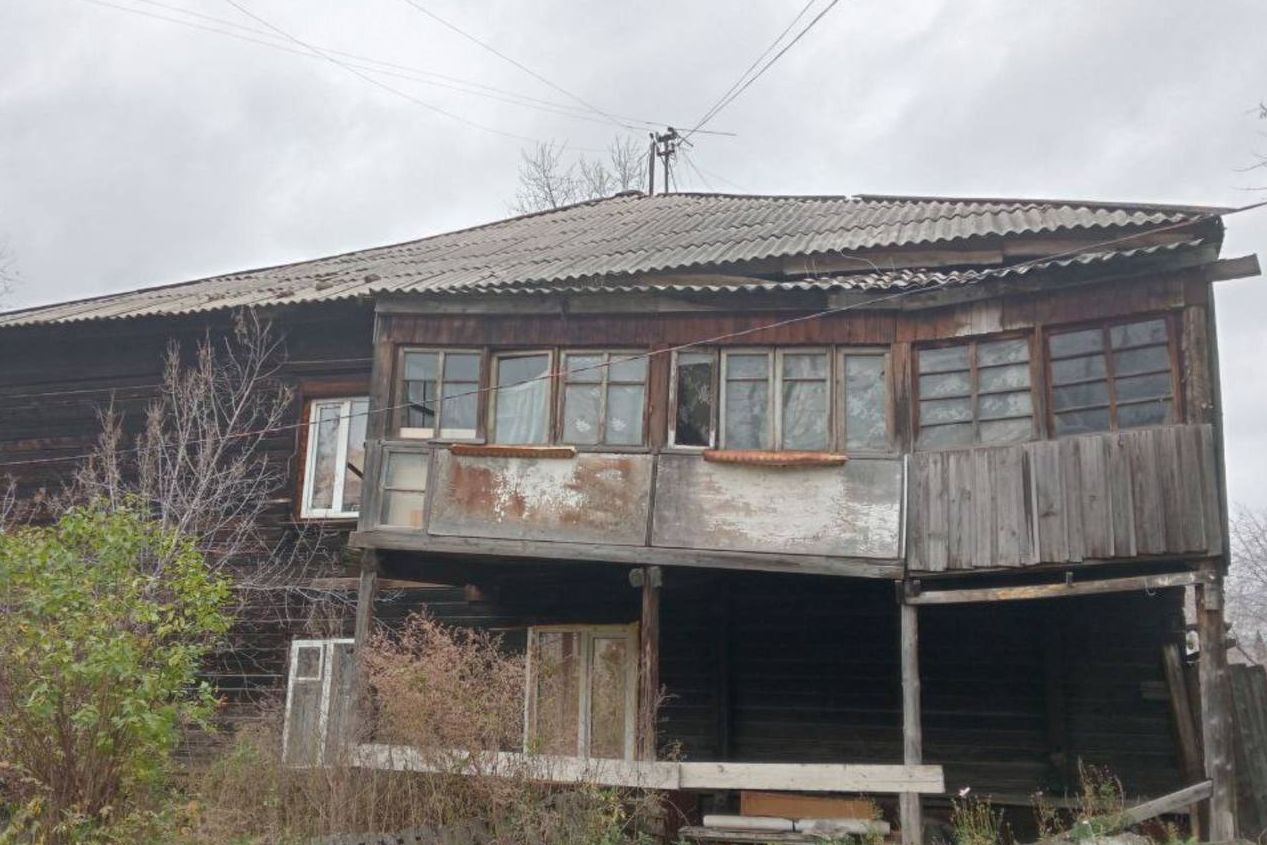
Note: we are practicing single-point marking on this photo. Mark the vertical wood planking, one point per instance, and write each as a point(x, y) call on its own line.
point(1176, 492)
point(1212, 491)
point(1073, 484)
point(1096, 503)
point(1146, 481)
point(1007, 480)
point(1049, 501)
point(937, 537)
point(1122, 496)
point(1192, 510)
point(959, 521)
point(985, 509)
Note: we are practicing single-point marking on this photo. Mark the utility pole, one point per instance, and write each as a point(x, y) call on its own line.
point(651, 165)
point(664, 145)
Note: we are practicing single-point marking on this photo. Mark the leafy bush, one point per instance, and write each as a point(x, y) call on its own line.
point(107, 618)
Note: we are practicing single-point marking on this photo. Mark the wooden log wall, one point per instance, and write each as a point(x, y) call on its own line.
point(55, 382)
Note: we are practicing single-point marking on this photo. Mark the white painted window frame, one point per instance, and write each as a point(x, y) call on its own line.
point(551, 380)
point(609, 357)
point(841, 399)
point(456, 435)
point(345, 404)
point(325, 677)
point(713, 411)
point(774, 387)
point(588, 633)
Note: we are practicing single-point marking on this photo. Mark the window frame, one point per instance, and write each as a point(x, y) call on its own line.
point(839, 402)
point(584, 729)
point(1035, 393)
point(383, 491)
point(324, 677)
point(671, 443)
point(345, 403)
point(400, 393)
point(560, 383)
point(552, 382)
point(774, 391)
point(1177, 413)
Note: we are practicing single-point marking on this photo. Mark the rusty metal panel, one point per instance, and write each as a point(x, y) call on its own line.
point(851, 511)
point(592, 498)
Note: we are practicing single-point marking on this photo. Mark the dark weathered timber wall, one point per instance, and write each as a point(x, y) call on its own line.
point(798, 668)
point(55, 381)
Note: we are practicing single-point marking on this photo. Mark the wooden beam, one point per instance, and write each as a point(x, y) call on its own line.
point(1216, 711)
point(1056, 591)
point(1241, 267)
point(911, 815)
point(365, 594)
point(1186, 732)
point(1172, 803)
point(649, 663)
point(532, 551)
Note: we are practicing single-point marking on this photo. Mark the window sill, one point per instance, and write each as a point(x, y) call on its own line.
point(756, 457)
point(500, 450)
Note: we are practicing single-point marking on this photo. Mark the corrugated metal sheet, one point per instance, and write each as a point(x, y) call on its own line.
point(619, 236)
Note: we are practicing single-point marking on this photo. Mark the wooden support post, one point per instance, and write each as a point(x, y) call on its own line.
point(365, 594)
point(1054, 692)
point(721, 668)
point(1185, 725)
point(911, 816)
point(1216, 711)
point(649, 663)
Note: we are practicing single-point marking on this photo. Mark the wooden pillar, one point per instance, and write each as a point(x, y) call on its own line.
point(721, 667)
point(365, 594)
point(1185, 724)
point(1054, 693)
point(649, 663)
point(1216, 711)
point(910, 812)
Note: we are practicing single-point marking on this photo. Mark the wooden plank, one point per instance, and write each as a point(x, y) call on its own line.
point(813, 777)
point(937, 537)
point(366, 592)
point(1072, 479)
point(526, 550)
point(1049, 501)
point(1178, 494)
point(1146, 492)
point(909, 810)
point(917, 512)
point(984, 506)
point(1096, 504)
point(649, 663)
point(792, 806)
point(1212, 492)
point(1166, 804)
point(1249, 700)
point(960, 548)
point(1029, 592)
point(1121, 496)
point(1007, 487)
point(1187, 733)
point(1216, 722)
point(1192, 510)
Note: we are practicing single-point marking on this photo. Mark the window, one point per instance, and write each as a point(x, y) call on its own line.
point(318, 701)
point(604, 394)
point(521, 401)
point(440, 394)
point(694, 387)
point(404, 487)
point(335, 461)
point(1109, 377)
point(582, 690)
point(865, 401)
point(976, 392)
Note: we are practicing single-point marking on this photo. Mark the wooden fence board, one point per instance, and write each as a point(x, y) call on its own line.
point(1249, 714)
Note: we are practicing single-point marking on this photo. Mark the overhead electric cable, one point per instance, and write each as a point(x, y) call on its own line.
point(751, 330)
point(734, 92)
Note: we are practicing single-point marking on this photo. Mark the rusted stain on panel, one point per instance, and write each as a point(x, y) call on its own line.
point(591, 498)
point(853, 511)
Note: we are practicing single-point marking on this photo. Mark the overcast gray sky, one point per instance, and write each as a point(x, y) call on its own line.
point(136, 151)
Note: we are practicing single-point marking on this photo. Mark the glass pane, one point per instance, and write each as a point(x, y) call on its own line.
point(694, 411)
point(461, 407)
point(608, 698)
point(624, 414)
point(1011, 351)
point(744, 366)
point(997, 405)
point(805, 366)
point(1156, 386)
point(422, 366)
point(407, 470)
point(746, 416)
point(943, 385)
point(937, 436)
point(1006, 431)
point(1138, 334)
point(1145, 359)
point(866, 403)
point(1145, 413)
point(462, 366)
point(522, 399)
point(1076, 343)
point(308, 663)
point(323, 468)
point(943, 360)
point(580, 413)
point(403, 510)
point(1091, 394)
point(936, 411)
point(556, 706)
point(805, 415)
point(1082, 422)
point(1078, 369)
point(625, 367)
point(1011, 377)
point(352, 480)
point(584, 368)
point(421, 410)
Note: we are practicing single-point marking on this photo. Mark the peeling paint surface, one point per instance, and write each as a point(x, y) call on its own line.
point(592, 498)
point(851, 511)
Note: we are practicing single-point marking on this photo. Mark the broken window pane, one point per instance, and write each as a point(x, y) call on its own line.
point(422, 384)
point(694, 412)
point(557, 676)
point(522, 399)
point(323, 467)
point(866, 403)
point(609, 698)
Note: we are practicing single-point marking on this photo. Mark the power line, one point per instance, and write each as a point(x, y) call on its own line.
point(486, 46)
point(734, 92)
point(839, 309)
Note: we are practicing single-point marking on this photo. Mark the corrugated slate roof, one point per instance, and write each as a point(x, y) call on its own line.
point(619, 236)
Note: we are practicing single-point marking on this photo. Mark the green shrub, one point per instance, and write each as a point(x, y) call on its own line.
point(107, 618)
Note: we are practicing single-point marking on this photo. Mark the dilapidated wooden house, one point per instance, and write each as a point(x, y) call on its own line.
point(912, 485)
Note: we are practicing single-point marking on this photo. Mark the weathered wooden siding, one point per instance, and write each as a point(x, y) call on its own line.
point(1147, 492)
point(854, 510)
point(594, 497)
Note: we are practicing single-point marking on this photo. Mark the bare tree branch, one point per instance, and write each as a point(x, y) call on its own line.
point(547, 180)
point(8, 271)
point(1247, 583)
